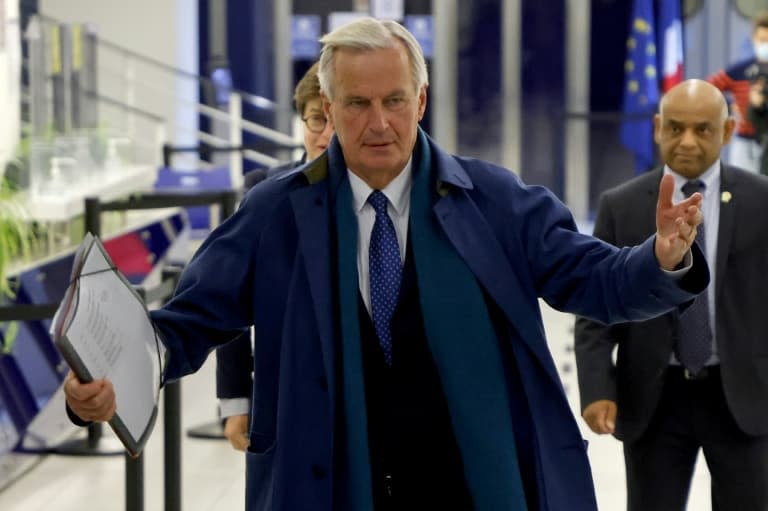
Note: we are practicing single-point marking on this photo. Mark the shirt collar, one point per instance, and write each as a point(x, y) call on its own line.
point(711, 177)
point(398, 190)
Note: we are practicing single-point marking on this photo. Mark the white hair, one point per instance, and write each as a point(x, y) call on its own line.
point(369, 34)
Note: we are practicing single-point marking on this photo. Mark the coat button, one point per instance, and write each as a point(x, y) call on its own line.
point(319, 472)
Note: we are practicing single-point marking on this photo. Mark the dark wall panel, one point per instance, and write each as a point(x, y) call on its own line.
point(543, 89)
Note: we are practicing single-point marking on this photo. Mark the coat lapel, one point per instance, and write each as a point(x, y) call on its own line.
point(473, 238)
point(650, 205)
point(725, 229)
point(311, 206)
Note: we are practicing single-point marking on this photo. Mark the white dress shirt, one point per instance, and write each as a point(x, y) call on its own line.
point(710, 208)
point(398, 193)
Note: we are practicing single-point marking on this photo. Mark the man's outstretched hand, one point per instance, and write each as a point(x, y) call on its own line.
point(675, 224)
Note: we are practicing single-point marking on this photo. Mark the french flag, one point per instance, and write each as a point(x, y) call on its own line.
point(671, 34)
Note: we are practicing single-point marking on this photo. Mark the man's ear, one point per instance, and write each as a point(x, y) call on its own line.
point(326, 106)
point(657, 128)
point(422, 101)
point(728, 127)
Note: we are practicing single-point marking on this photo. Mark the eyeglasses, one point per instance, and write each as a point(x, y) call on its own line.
point(315, 123)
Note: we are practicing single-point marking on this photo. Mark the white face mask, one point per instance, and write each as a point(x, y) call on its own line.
point(761, 51)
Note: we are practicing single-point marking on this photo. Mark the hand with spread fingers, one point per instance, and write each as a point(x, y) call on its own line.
point(675, 224)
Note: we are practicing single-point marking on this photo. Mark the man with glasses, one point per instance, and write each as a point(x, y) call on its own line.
point(317, 131)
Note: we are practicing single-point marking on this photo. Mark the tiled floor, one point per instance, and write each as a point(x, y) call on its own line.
point(605, 453)
point(213, 474)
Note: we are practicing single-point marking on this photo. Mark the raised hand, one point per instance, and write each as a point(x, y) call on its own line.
point(675, 224)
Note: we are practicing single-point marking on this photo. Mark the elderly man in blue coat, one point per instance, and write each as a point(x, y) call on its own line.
point(400, 360)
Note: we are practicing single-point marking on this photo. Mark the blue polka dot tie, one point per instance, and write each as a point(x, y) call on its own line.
point(694, 343)
point(385, 272)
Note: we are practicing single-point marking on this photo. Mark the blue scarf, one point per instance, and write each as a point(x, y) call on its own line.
point(463, 344)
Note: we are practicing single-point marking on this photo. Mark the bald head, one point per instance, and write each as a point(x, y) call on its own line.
point(695, 92)
point(692, 126)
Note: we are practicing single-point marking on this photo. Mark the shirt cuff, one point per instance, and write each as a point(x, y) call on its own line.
point(75, 419)
point(235, 406)
point(682, 268)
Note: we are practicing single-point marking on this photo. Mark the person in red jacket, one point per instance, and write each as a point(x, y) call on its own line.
point(745, 151)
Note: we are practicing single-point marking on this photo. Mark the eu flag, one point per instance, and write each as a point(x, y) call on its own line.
point(641, 86)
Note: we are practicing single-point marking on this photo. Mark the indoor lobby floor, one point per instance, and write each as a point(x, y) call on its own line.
point(213, 473)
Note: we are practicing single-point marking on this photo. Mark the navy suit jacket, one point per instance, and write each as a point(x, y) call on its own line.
point(270, 265)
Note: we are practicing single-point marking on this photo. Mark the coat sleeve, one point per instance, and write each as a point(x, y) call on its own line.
point(234, 364)
point(213, 302)
point(577, 273)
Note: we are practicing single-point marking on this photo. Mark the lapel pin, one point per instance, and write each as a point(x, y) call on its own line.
point(726, 197)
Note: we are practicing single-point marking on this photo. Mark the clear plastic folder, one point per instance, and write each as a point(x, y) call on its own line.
point(102, 329)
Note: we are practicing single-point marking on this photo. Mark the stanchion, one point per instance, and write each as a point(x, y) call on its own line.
point(134, 470)
point(172, 391)
point(134, 483)
point(172, 430)
point(94, 444)
point(172, 420)
point(213, 430)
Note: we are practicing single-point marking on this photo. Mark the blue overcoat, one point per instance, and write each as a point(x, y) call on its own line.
point(271, 265)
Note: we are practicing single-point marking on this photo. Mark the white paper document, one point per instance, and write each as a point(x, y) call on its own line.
point(102, 329)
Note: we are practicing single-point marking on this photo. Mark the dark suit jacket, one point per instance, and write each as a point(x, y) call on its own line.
point(276, 253)
point(626, 215)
